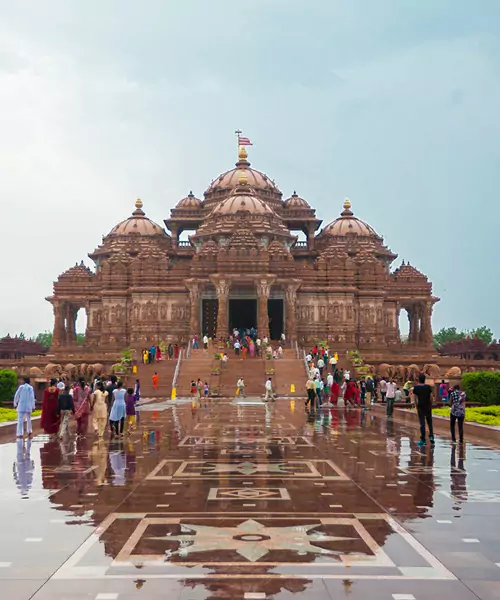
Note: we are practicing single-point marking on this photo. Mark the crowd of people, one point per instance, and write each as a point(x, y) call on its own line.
point(156, 354)
point(246, 343)
point(106, 404)
point(327, 384)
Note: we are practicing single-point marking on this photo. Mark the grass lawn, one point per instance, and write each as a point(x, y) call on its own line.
point(487, 415)
point(10, 414)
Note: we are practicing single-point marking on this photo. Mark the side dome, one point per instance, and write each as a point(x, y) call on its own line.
point(348, 224)
point(295, 202)
point(190, 202)
point(226, 182)
point(137, 224)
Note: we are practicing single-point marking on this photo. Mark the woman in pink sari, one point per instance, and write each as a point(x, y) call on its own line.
point(252, 349)
point(81, 398)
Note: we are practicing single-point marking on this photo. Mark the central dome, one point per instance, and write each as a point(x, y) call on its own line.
point(243, 199)
point(225, 183)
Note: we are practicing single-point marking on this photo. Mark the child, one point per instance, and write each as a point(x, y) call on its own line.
point(206, 390)
point(193, 388)
point(130, 409)
point(399, 395)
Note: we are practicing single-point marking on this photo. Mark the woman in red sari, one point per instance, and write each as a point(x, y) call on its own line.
point(50, 420)
point(334, 393)
point(81, 398)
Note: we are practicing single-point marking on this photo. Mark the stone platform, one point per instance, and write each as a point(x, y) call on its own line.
point(250, 500)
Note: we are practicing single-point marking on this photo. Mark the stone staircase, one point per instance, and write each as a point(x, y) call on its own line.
point(200, 363)
point(287, 371)
point(165, 370)
point(253, 371)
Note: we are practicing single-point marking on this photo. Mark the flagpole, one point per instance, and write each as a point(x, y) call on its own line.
point(238, 132)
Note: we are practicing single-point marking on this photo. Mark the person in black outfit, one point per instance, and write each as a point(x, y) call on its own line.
point(110, 389)
point(423, 394)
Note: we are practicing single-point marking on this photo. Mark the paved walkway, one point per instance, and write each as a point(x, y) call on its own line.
point(248, 500)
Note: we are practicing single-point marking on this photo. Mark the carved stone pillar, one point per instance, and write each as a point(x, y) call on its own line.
point(291, 321)
point(222, 287)
point(59, 333)
point(70, 316)
point(194, 288)
point(426, 331)
point(263, 290)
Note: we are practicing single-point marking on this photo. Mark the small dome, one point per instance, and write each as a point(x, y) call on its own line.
point(229, 179)
point(137, 224)
point(295, 201)
point(347, 224)
point(190, 202)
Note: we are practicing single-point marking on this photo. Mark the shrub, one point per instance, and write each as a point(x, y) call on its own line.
point(8, 385)
point(482, 387)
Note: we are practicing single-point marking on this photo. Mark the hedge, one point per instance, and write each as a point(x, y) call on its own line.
point(482, 387)
point(8, 385)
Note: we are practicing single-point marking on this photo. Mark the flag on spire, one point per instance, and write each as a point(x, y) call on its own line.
point(244, 141)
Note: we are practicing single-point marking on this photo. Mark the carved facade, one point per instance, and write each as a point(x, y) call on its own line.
point(243, 262)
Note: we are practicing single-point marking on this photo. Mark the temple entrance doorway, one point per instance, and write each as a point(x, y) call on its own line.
point(210, 308)
point(275, 312)
point(404, 325)
point(242, 314)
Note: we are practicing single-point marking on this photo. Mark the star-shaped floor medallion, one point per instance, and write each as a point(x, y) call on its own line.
point(246, 468)
point(250, 539)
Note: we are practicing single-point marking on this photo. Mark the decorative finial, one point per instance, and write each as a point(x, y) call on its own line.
point(242, 154)
point(190, 195)
point(138, 203)
point(347, 212)
point(243, 180)
point(138, 212)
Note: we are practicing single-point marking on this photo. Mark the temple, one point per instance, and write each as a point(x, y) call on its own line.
point(243, 266)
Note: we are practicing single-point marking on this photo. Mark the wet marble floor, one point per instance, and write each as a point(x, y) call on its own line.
point(250, 500)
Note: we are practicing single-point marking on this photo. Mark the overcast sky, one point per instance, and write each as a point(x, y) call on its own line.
point(393, 103)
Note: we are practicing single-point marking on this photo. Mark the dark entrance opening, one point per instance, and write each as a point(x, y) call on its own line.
point(242, 314)
point(209, 312)
point(275, 312)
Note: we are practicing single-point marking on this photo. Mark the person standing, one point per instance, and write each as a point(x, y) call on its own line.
point(258, 344)
point(199, 389)
point(170, 351)
point(443, 391)
point(390, 396)
point(118, 411)
point(100, 410)
point(152, 351)
point(155, 380)
point(205, 341)
point(423, 396)
point(311, 392)
point(81, 398)
point(237, 347)
point(383, 389)
point(457, 413)
point(66, 408)
point(130, 410)
point(321, 365)
point(50, 420)
point(269, 390)
point(24, 403)
point(240, 388)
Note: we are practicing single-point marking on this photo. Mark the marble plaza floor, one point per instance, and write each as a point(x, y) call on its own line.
point(250, 500)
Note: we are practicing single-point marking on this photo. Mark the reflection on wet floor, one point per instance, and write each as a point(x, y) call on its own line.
point(250, 500)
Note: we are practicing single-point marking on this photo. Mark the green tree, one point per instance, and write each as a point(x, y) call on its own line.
point(446, 335)
point(8, 385)
point(80, 338)
point(45, 339)
point(483, 333)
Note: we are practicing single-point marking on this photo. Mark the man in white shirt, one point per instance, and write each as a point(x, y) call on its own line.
point(347, 375)
point(241, 387)
point(205, 341)
point(24, 402)
point(237, 347)
point(309, 358)
point(383, 388)
point(283, 338)
point(329, 381)
point(258, 343)
point(390, 396)
point(269, 390)
point(321, 366)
